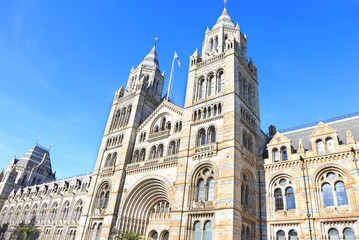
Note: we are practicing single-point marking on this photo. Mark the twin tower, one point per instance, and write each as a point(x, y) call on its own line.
point(168, 172)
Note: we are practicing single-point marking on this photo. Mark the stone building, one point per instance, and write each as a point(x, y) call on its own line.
point(205, 171)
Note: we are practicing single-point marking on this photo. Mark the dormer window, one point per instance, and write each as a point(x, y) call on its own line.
point(275, 155)
point(320, 147)
point(330, 145)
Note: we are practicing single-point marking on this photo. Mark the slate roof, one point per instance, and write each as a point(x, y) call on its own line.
point(34, 156)
point(151, 60)
point(224, 20)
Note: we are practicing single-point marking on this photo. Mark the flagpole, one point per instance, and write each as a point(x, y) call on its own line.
point(169, 84)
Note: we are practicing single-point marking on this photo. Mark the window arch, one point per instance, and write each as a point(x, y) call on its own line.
point(163, 123)
point(153, 235)
point(293, 235)
point(286, 201)
point(65, 211)
point(135, 156)
point(103, 196)
point(78, 210)
point(320, 147)
point(160, 151)
point(201, 137)
point(143, 155)
point(211, 85)
point(348, 234)
point(333, 234)
point(333, 189)
point(53, 212)
point(204, 185)
point(165, 235)
point(98, 233)
point(220, 81)
point(153, 152)
point(197, 231)
point(280, 235)
point(289, 195)
point(211, 135)
point(172, 148)
point(108, 160)
point(208, 230)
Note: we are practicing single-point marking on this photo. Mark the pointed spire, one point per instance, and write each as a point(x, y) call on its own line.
point(151, 60)
point(224, 20)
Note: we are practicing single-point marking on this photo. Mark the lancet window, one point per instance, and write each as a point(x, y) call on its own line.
point(204, 185)
point(284, 198)
point(103, 196)
point(333, 189)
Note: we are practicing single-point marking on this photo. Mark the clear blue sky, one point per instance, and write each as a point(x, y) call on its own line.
point(62, 61)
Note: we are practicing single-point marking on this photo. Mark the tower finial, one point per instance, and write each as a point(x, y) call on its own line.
point(156, 38)
point(37, 141)
point(225, 3)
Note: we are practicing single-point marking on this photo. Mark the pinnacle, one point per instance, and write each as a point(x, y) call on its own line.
point(224, 20)
point(151, 60)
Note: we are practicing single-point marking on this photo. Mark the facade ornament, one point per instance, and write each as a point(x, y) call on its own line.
point(350, 137)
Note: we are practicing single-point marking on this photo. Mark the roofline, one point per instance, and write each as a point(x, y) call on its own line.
point(313, 124)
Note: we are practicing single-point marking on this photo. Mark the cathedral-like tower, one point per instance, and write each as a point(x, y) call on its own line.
point(221, 141)
point(130, 107)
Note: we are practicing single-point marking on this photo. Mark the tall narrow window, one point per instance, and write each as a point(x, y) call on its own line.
point(210, 192)
point(135, 156)
point(163, 123)
point(341, 193)
point(327, 195)
point(208, 230)
point(201, 137)
point(289, 194)
point(212, 135)
point(330, 145)
point(278, 196)
point(200, 190)
point(143, 155)
point(98, 233)
point(284, 153)
point(160, 151)
point(293, 235)
point(275, 155)
point(349, 234)
point(320, 147)
point(221, 81)
point(203, 88)
point(153, 152)
point(280, 235)
point(172, 149)
point(197, 231)
point(333, 234)
point(211, 85)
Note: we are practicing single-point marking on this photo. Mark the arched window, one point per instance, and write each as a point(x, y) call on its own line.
point(135, 156)
point(78, 211)
point(293, 235)
point(208, 230)
point(163, 123)
point(320, 147)
point(143, 155)
point(172, 148)
point(211, 135)
point(349, 234)
point(341, 192)
point(160, 151)
point(166, 236)
point(245, 139)
point(327, 195)
point(221, 81)
point(108, 160)
point(278, 196)
point(284, 153)
point(114, 158)
point(154, 235)
point(104, 194)
point(289, 194)
point(200, 190)
point(169, 125)
point(153, 152)
point(65, 211)
point(211, 85)
point(197, 231)
point(178, 145)
point(330, 145)
point(280, 235)
point(275, 155)
point(333, 234)
point(201, 137)
point(93, 233)
point(202, 85)
point(210, 192)
point(99, 230)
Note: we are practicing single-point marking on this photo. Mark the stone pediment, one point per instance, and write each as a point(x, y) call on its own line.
point(278, 139)
point(165, 106)
point(322, 129)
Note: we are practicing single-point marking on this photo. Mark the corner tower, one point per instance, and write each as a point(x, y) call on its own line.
point(221, 141)
point(130, 107)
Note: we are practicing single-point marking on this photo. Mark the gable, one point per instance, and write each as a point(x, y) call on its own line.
point(322, 129)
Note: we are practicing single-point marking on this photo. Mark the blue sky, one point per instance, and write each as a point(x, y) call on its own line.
point(62, 61)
